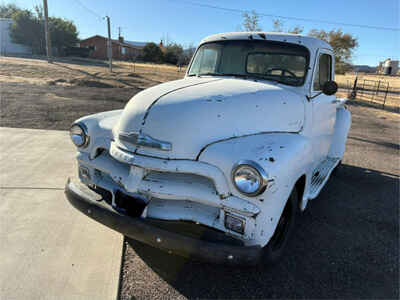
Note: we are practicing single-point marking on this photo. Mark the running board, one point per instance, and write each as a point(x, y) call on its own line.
point(321, 175)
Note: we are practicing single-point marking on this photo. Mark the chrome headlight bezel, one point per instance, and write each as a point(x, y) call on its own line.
point(81, 139)
point(262, 177)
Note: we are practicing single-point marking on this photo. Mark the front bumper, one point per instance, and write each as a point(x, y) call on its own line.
point(89, 203)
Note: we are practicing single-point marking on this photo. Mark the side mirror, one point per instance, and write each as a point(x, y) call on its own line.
point(329, 88)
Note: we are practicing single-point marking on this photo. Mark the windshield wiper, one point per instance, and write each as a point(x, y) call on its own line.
point(223, 74)
point(268, 78)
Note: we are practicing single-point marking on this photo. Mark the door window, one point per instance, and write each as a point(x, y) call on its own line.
point(323, 72)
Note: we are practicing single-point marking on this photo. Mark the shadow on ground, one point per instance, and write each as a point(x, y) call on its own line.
point(365, 103)
point(345, 246)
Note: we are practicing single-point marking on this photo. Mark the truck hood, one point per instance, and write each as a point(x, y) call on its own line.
point(192, 113)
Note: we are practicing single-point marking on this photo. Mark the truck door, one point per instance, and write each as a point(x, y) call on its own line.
point(323, 106)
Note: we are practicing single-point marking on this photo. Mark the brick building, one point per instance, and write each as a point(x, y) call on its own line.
point(122, 50)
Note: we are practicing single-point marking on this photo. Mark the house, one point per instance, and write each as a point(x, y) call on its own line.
point(7, 46)
point(123, 50)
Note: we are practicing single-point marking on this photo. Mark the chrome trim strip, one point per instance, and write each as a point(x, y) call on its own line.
point(141, 139)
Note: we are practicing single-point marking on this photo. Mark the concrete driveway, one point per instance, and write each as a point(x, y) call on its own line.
point(49, 250)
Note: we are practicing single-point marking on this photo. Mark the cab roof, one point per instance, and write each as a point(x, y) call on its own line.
point(309, 42)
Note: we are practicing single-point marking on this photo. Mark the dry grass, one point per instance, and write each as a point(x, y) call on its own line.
point(342, 80)
point(79, 72)
point(392, 101)
point(36, 94)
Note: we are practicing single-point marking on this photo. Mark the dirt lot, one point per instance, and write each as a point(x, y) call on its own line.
point(36, 94)
point(345, 246)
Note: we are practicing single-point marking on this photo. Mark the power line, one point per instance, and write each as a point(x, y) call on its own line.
point(89, 10)
point(241, 11)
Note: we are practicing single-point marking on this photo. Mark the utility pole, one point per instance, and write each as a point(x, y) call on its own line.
point(46, 29)
point(119, 32)
point(109, 44)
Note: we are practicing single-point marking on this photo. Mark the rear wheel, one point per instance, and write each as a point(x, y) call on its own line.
point(274, 250)
point(337, 168)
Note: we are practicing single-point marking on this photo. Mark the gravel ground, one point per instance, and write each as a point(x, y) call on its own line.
point(346, 244)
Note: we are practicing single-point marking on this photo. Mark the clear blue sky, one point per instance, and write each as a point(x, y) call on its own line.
point(187, 24)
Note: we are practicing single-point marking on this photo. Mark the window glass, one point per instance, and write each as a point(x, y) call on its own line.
point(323, 71)
point(283, 62)
point(205, 61)
point(283, 65)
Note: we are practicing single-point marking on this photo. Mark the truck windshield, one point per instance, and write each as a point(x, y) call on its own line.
point(277, 61)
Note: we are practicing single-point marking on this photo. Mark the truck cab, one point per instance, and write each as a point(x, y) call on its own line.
point(218, 166)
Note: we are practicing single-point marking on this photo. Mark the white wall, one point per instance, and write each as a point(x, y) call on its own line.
point(6, 44)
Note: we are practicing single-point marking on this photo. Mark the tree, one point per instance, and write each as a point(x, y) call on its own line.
point(251, 21)
point(188, 54)
point(63, 33)
point(173, 53)
point(152, 53)
point(296, 30)
point(7, 10)
point(343, 45)
point(28, 29)
point(278, 26)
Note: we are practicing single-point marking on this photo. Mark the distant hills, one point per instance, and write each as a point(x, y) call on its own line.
point(364, 69)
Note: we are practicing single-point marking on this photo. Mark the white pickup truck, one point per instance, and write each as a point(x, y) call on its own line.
point(218, 165)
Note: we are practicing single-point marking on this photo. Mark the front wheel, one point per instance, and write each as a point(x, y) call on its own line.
point(277, 244)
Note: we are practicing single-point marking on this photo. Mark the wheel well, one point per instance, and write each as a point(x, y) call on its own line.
point(300, 186)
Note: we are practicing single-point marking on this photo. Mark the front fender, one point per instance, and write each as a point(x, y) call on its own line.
point(284, 156)
point(99, 128)
point(342, 128)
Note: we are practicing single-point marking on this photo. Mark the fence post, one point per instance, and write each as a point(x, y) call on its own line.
point(353, 93)
point(362, 91)
point(377, 90)
point(384, 100)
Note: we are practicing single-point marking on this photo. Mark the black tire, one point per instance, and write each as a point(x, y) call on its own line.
point(336, 170)
point(275, 248)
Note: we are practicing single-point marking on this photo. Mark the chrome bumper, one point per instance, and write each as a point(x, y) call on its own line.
point(92, 205)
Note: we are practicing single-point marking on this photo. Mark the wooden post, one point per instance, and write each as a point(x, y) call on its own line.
point(377, 89)
point(109, 44)
point(46, 29)
point(384, 100)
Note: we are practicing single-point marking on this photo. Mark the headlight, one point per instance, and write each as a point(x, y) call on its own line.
point(249, 178)
point(79, 135)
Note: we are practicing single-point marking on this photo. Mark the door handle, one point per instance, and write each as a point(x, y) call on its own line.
point(335, 101)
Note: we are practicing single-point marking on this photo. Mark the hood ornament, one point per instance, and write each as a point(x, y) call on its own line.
point(141, 139)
